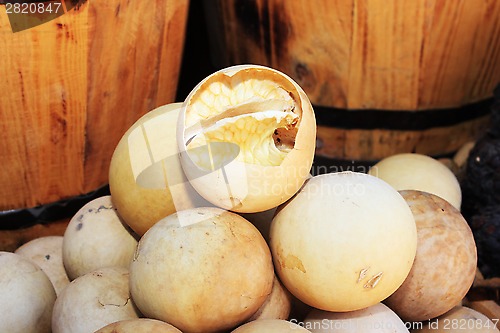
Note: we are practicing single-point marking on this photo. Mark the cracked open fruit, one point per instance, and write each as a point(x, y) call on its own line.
point(247, 137)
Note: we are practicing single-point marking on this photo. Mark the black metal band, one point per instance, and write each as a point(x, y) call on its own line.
point(400, 119)
point(22, 218)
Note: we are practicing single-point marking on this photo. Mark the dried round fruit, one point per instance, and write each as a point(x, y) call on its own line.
point(445, 264)
point(27, 296)
point(201, 270)
point(419, 172)
point(247, 135)
point(346, 241)
point(277, 305)
point(46, 252)
point(93, 301)
point(96, 237)
point(146, 180)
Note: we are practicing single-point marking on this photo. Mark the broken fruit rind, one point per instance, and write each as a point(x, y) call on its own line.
point(247, 138)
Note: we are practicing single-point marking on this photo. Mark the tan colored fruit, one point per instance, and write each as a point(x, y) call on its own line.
point(26, 296)
point(377, 318)
point(460, 319)
point(445, 264)
point(96, 237)
point(146, 180)
point(419, 172)
point(93, 301)
point(46, 252)
point(141, 325)
point(277, 304)
point(346, 241)
point(269, 326)
point(249, 134)
point(201, 270)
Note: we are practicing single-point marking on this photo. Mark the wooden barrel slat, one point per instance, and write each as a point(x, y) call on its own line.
point(460, 61)
point(386, 55)
point(383, 54)
point(42, 110)
point(72, 86)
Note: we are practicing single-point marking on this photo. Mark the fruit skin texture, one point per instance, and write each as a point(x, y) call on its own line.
point(46, 252)
point(93, 301)
point(445, 264)
point(344, 242)
point(96, 237)
point(141, 325)
point(277, 305)
point(377, 318)
point(460, 319)
point(245, 187)
point(137, 184)
point(26, 296)
point(419, 172)
point(270, 325)
point(201, 270)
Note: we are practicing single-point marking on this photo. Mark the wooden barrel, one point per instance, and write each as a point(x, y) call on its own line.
point(73, 85)
point(386, 76)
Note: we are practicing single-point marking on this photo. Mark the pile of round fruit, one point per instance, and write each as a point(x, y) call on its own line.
point(214, 224)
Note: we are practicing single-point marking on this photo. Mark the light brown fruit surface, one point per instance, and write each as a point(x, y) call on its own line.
point(344, 242)
point(146, 180)
point(141, 325)
point(248, 134)
point(377, 318)
point(46, 252)
point(269, 326)
point(445, 263)
point(419, 172)
point(93, 301)
point(96, 237)
point(277, 304)
point(201, 270)
point(26, 296)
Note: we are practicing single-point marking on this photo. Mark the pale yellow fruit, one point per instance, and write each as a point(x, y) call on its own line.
point(141, 325)
point(269, 326)
point(277, 304)
point(460, 319)
point(419, 172)
point(248, 134)
point(93, 301)
point(26, 296)
point(445, 264)
point(377, 318)
point(146, 180)
point(346, 241)
point(201, 270)
point(96, 237)
point(46, 252)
